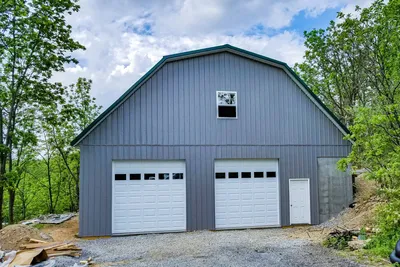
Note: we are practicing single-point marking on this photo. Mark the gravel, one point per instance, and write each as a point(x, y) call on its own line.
point(335, 221)
point(267, 247)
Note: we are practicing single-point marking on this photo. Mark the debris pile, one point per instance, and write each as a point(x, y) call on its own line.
point(50, 219)
point(354, 239)
point(13, 236)
point(37, 251)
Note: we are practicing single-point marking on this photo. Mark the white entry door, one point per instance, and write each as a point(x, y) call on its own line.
point(148, 196)
point(246, 193)
point(300, 212)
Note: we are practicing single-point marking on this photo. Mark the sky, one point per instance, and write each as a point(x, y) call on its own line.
point(125, 38)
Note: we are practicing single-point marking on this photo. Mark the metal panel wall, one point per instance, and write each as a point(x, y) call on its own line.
point(335, 188)
point(173, 116)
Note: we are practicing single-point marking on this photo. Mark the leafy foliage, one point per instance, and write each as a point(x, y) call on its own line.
point(388, 225)
point(38, 117)
point(354, 66)
point(340, 242)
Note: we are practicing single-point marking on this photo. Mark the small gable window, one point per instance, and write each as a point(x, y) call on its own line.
point(226, 104)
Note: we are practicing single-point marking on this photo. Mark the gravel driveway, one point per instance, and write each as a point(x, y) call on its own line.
point(267, 247)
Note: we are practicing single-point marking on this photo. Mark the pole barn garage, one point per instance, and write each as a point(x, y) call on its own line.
point(217, 138)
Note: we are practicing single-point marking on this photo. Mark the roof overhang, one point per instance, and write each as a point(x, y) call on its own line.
point(208, 51)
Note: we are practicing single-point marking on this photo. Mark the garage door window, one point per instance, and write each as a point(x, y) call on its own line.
point(220, 175)
point(163, 176)
point(120, 177)
point(246, 174)
point(258, 174)
point(177, 176)
point(134, 176)
point(233, 175)
point(149, 176)
point(271, 174)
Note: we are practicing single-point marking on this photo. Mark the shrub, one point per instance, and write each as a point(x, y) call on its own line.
point(388, 224)
point(339, 243)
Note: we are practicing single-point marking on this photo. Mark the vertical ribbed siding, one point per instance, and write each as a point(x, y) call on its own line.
point(173, 116)
point(177, 106)
point(95, 205)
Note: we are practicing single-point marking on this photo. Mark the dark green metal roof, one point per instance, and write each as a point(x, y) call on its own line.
point(194, 53)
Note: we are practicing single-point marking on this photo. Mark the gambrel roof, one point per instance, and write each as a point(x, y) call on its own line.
point(208, 51)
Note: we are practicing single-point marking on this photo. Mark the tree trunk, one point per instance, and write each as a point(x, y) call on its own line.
point(11, 201)
point(2, 173)
point(1, 204)
point(71, 197)
point(49, 185)
point(2, 167)
point(23, 200)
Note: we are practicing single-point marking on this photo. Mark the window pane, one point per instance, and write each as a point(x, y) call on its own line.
point(225, 98)
point(259, 175)
point(163, 176)
point(120, 177)
point(246, 174)
point(149, 176)
point(226, 111)
point(233, 175)
point(135, 176)
point(220, 175)
point(177, 176)
point(271, 174)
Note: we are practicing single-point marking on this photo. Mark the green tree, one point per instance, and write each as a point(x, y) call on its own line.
point(354, 66)
point(24, 143)
point(334, 66)
point(61, 122)
point(35, 41)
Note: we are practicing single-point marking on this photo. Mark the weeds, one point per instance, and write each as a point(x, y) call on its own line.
point(38, 226)
point(339, 243)
point(388, 225)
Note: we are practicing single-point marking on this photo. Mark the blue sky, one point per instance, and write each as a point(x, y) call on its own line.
point(125, 38)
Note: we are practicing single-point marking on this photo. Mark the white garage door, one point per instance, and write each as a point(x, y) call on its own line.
point(246, 193)
point(148, 196)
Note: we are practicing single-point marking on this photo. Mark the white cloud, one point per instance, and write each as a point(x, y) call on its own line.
point(76, 69)
point(351, 7)
point(126, 38)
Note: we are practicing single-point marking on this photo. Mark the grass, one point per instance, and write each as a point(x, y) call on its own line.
point(364, 256)
point(39, 226)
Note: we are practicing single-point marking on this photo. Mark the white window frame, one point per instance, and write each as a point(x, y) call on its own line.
point(227, 105)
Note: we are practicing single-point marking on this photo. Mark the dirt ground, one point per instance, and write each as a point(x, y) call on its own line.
point(11, 237)
point(361, 215)
point(65, 231)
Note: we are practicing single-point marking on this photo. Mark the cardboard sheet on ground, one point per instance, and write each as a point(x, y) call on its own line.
point(29, 257)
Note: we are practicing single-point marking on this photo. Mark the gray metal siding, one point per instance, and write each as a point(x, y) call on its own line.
point(335, 188)
point(173, 116)
point(177, 106)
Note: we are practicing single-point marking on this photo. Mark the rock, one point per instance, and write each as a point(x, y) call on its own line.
point(357, 244)
point(45, 237)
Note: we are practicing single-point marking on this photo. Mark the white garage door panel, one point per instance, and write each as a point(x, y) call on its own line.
point(246, 202)
point(149, 205)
